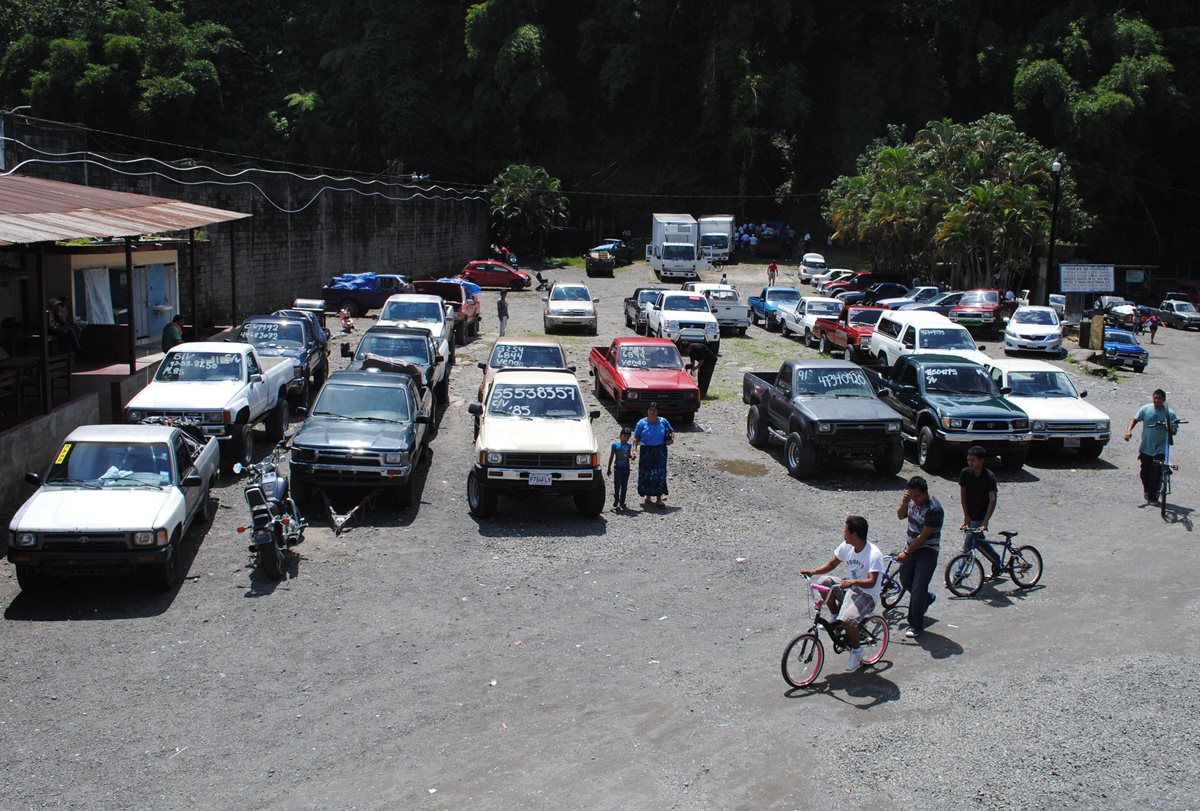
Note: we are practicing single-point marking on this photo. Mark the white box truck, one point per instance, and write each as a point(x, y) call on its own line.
point(672, 249)
point(716, 238)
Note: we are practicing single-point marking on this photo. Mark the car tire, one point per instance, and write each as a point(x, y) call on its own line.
point(29, 578)
point(406, 493)
point(591, 503)
point(808, 338)
point(757, 432)
point(783, 328)
point(1014, 460)
point(890, 462)
point(204, 512)
point(278, 421)
point(799, 455)
point(165, 575)
point(929, 450)
point(481, 501)
point(239, 448)
point(823, 345)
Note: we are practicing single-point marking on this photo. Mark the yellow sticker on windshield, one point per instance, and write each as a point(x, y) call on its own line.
point(63, 454)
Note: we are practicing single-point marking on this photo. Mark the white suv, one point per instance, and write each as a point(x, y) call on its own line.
point(907, 332)
point(569, 305)
point(812, 264)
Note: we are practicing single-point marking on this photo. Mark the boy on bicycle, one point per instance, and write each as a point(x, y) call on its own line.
point(1159, 426)
point(854, 598)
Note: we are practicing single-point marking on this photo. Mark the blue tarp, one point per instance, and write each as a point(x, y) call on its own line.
point(354, 281)
point(472, 288)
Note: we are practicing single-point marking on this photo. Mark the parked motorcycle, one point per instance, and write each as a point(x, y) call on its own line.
point(276, 525)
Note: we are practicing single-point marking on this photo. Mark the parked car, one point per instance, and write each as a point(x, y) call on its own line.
point(941, 304)
point(822, 409)
point(493, 273)
point(812, 264)
point(801, 316)
point(726, 305)
point(313, 311)
point(278, 336)
point(468, 312)
point(513, 352)
point(392, 348)
point(819, 279)
point(620, 250)
point(116, 498)
point(1059, 418)
point(948, 403)
point(902, 332)
point(1033, 329)
point(763, 306)
point(359, 293)
point(849, 333)
point(423, 311)
point(883, 290)
point(366, 430)
point(859, 281)
point(599, 263)
point(569, 304)
point(1179, 314)
point(637, 304)
point(1058, 303)
point(982, 308)
point(535, 439)
point(1121, 348)
point(915, 295)
point(679, 316)
point(638, 371)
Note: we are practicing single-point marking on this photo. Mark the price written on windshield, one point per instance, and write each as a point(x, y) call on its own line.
point(508, 355)
point(505, 393)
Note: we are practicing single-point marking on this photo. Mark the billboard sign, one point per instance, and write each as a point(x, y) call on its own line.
point(1086, 278)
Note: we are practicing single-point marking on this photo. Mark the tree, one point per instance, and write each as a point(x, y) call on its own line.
point(526, 204)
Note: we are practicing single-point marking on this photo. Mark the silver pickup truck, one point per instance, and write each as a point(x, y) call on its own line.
point(726, 303)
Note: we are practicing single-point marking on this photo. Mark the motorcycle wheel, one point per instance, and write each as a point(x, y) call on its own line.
point(270, 560)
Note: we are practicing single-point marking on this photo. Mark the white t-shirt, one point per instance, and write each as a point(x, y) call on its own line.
point(861, 564)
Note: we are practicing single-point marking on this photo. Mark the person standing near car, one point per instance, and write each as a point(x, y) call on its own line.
point(502, 311)
point(703, 362)
point(772, 270)
point(1159, 426)
point(651, 436)
point(925, 517)
point(977, 490)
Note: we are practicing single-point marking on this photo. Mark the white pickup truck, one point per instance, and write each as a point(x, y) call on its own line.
point(116, 497)
point(727, 306)
point(225, 388)
point(679, 316)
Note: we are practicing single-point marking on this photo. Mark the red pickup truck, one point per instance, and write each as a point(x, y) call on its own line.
point(985, 309)
point(637, 371)
point(467, 309)
point(849, 332)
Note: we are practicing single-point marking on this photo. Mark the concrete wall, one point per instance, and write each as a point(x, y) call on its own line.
point(337, 226)
point(31, 446)
point(123, 390)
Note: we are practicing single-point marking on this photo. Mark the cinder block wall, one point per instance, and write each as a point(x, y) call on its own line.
point(396, 228)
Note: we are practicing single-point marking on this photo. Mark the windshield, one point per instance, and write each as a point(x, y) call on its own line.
point(200, 367)
point(1041, 384)
point(695, 304)
point(649, 357)
point(570, 294)
point(412, 348)
point(945, 298)
point(266, 335)
point(112, 464)
point(833, 382)
point(824, 308)
point(981, 297)
point(679, 253)
point(547, 402)
point(958, 380)
point(945, 338)
point(1119, 336)
point(1184, 307)
point(779, 296)
point(411, 311)
point(924, 295)
point(814, 264)
point(648, 295)
point(517, 356)
point(387, 403)
point(714, 241)
point(865, 316)
point(1046, 317)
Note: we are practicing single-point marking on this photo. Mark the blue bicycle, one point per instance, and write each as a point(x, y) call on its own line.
point(890, 591)
point(1166, 469)
point(964, 573)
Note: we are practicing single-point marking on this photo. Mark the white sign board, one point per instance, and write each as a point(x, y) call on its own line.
point(1086, 278)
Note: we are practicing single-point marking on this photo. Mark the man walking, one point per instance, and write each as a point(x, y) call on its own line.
point(1159, 426)
point(772, 270)
point(704, 362)
point(977, 490)
point(925, 516)
point(502, 311)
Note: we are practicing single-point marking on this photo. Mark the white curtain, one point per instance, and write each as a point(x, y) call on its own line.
point(97, 296)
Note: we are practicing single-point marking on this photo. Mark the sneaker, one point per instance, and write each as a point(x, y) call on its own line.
point(855, 660)
point(1149, 498)
point(911, 634)
point(932, 599)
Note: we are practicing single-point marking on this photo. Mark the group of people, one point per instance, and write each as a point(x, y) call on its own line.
point(852, 599)
point(650, 437)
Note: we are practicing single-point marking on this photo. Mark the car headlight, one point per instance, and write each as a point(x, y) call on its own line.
point(583, 458)
point(135, 416)
point(672, 325)
point(149, 538)
point(399, 458)
point(824, 427)
point(633, 395)
point(25, 539)
point(1021, 425)
point(1038, 425)
point(711, 328)
point(691, 395)
point(494, 458)
point(1102, 425)
point(893, 428)
point(947, 422)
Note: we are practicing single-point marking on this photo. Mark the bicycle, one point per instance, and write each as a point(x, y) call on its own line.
point(891, 590)
point(804, 656)
point(1165, 469)
point(964, 572)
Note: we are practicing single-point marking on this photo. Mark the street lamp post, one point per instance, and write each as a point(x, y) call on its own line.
point(1044, 290)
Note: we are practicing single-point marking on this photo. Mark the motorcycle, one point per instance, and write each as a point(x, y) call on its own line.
point(276, 525)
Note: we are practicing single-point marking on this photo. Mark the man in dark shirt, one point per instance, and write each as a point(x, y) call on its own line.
point(925, 516)
point(502, 311)
point(704, 361)
point(977, 491)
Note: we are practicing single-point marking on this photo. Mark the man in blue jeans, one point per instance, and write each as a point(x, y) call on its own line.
point(925, 517)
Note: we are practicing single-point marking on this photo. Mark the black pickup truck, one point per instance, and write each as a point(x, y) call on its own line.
point(822, 408)
point(389, 348)
point(635, 306)
point(949, 403)
point(293, 337)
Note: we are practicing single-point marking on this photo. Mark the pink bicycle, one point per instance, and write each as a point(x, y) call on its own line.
point(805, 655)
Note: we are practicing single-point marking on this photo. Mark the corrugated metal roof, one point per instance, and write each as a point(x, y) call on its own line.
point(37, 210)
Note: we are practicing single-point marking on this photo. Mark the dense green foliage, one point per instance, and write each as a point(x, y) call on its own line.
point(526, 204)
point(748, 107)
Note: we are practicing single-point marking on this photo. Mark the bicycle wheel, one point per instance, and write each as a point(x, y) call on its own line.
point(1164, 487)
point(964, 576)
point(1025, 567)
point(802, 660)
point(891, 591)
point(873, 639)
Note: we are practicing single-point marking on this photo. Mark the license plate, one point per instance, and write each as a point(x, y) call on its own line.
point(1071, 442)
point(541, 479)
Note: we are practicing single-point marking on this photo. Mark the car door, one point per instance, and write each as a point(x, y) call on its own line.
point(182, 464)
point(779, 410)
point(906, 398)
point(258, 396)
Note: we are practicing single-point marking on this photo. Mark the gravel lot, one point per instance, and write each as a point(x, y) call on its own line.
point(426, 660)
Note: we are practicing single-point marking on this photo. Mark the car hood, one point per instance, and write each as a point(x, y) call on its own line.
point(846, 409)
point(1058, 408)
point(969, 354)
point(435, 328)
point(559, 306)
point(1124, 347)
point(279, 352)
point(59, 508)
point(536, 436)
point(190, 396)
point(327, 432)
point(656, 378)
point(893, 302)
point(989, 406)
point(1032, 329)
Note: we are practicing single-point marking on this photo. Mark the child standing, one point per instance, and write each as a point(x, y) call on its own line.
point(618, 457)
point(772, 269)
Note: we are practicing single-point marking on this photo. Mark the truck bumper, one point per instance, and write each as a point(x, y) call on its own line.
point(992, 443)
point(691, 335)
point(318, 475)
point(562, 480)
point(586, 321)
point(667, 408)
point(82, 563)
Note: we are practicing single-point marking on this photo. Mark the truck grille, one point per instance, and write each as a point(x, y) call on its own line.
point(1071, 426)
point(661, 396)
point(692, 325)
point(340, 457)
point(198, 416)
point(541, 460)
point(991, 425)
point(860, 428)
point(83, 541)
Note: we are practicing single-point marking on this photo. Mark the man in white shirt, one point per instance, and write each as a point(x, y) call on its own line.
point(854, 598)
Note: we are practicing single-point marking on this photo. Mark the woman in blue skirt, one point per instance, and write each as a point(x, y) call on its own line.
point(651, 437)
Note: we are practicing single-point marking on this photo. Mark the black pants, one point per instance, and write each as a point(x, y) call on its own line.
point(704, 376)
point(1151, 473)
point(915, 573)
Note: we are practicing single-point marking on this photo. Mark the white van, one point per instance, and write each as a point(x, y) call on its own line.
point(907, 332)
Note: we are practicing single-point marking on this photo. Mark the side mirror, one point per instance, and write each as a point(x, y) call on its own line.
point(300, 411)
point(475, 409)
point(1083, 394)
point(903, 389)
point(347, 352)
point(545, 298)
point(594, 414)
point(982, 347)
point(481, 364)
point(421, 419)
point(237, 468)
point(256, 378)
point(193, 480)
point(438, 358)
point(595, 301)
point(33, 478)
point(1006, 389)
point(571, 368)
